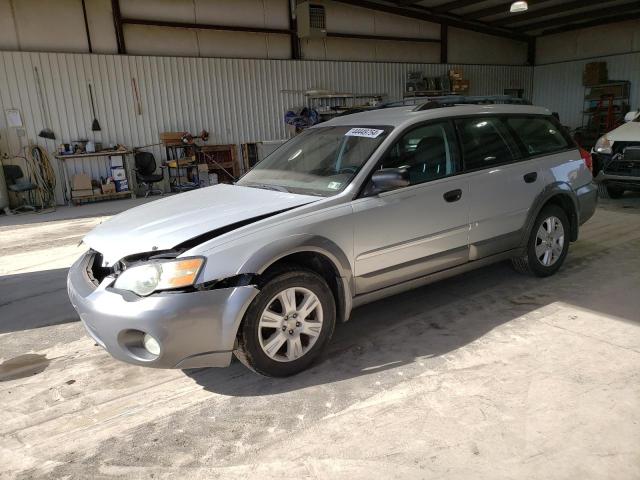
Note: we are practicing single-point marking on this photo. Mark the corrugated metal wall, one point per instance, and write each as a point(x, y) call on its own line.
point(558, 86)
point(236, 100)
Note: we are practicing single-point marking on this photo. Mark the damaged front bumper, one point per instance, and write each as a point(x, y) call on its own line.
point(193, 329)
point(627, 182)
point(620, 171)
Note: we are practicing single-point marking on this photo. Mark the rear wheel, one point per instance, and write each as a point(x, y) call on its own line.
point(287, 325)
point(548, 243)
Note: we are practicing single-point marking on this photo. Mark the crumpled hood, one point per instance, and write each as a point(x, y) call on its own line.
point(165, 223)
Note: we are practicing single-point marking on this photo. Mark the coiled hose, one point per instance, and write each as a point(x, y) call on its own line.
point(42, 174)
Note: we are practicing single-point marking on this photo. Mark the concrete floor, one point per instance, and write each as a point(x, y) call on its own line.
point(489, 375)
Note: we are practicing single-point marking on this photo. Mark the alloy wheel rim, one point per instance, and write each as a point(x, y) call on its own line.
point(549, 241)
point(290, 325)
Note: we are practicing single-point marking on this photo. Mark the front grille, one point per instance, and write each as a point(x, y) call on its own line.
point(623, 164)
point(622, 167)
point(619, 147)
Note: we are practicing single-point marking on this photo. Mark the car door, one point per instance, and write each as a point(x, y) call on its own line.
point(502, 184)
point(415, 230)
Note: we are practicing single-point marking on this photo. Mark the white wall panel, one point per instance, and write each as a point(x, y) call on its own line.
point(466, 46)
point(56, 24)
point(102, 31)
point(609, 39)
point(559, 87)
point(8, 37)
point(237, 100)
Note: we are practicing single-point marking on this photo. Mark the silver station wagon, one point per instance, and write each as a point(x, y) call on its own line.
point(349, 211)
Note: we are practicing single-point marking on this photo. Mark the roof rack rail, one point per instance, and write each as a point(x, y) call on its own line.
point(451, 100)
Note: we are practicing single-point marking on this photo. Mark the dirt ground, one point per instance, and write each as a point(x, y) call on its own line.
point(490, 375)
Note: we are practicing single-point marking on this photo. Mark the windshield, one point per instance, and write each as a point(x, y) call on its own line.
point(319, 161)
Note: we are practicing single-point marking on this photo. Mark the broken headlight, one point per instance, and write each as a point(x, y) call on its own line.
point(164, 275)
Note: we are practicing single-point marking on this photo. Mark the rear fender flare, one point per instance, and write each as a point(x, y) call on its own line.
point(552, 190)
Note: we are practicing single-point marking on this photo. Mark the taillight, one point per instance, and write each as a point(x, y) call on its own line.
point(586, 156)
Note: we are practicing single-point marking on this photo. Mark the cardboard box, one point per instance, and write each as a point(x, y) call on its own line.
point(86, 192)
point(460, 86)
point(172, 138)
point(455, 74)
point(116, 161)
point(108, 188)
point(595, 73)
point(81, 181)
point(122, 185)
point(118, 174)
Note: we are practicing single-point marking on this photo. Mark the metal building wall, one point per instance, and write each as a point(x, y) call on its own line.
point(236, 100)
point(558, 86)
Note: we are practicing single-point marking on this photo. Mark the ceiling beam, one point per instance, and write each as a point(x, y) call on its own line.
point(204, 26)
point(592, 23)
point(497, 9)
point(405, 3)
point(447, 7)
point(383, 37)
point(585, 16)
point(422, 13)
point(543, 12)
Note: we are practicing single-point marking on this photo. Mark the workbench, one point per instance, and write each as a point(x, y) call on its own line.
point(131, 193)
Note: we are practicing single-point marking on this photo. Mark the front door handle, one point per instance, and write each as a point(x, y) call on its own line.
point(530, 177)
point(453, 195)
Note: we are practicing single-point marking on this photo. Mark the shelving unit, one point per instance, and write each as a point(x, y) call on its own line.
point(329, 105)
point(426, 93)
point(605, 106)
point(66, 177)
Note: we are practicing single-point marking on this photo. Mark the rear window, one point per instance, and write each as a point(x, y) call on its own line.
point(538, 135)
point(485, 142)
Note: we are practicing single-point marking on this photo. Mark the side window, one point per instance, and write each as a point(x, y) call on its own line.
point(428, 152)
point(538, 135)
point(485, 142)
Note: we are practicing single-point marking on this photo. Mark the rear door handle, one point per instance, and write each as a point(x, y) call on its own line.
point(530, 177)
point(453, 195)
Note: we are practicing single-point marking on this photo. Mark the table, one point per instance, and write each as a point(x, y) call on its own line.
point(105, 153)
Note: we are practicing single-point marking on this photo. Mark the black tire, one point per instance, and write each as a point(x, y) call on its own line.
point(615, 192)
point(529, 263)
point(249, 351)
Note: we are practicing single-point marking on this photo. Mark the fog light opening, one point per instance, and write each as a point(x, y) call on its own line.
point(151, 345)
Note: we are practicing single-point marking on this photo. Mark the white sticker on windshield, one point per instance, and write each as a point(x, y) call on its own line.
point(334, 185)
point(364, 132)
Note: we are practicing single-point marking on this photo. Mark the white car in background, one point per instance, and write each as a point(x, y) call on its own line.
point(616, 158)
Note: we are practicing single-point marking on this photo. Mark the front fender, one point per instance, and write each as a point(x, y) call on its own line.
point(278, 249)
point(271, 253)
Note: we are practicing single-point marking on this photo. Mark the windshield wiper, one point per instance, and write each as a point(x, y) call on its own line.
point(264, 186)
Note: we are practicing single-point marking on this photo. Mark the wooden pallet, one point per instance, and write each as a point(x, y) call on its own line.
point(99, 198)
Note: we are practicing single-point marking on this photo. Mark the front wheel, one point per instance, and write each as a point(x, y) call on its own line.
point(548, 243)
point(287, 325)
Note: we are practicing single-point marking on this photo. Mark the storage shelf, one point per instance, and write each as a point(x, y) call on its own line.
point(608, 84)
point(102, 196)
point(347, 95)
point(605, 97)
point(426, 93)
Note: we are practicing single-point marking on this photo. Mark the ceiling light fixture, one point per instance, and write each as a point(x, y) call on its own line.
point(520, 6)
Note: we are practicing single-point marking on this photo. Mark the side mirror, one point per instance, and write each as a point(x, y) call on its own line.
point(630, 116)
point(389, 179)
